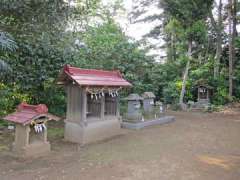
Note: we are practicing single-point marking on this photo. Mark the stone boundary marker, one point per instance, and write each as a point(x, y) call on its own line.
point(140, 125)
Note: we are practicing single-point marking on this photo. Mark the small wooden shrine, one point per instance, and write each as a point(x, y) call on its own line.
point(30, 129)
point(204, 92)
point(92, 103)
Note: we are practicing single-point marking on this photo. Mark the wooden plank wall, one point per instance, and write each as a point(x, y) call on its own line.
point(74, 104)
point(94, 106)
point(110, 105)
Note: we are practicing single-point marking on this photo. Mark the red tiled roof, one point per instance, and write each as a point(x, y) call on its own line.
point(25, 113)
point(41, 108)
point(93, 77)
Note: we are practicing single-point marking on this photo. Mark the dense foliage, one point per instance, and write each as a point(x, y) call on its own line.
point(44, 45)
point(205, 24)
point(37, 37)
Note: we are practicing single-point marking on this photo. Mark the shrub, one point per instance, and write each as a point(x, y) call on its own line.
point(10, 97)
point(170, 93)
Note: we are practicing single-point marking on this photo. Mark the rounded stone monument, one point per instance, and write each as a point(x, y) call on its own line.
point(148, 102)
point(134, 107)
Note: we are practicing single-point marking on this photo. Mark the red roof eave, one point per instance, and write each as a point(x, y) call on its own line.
point(93, 77)
point(26, 113)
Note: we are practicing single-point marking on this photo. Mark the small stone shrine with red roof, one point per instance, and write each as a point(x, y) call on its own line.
point(30, 129)
point(92, 103)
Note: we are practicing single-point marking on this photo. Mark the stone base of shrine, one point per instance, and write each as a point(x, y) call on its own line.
point(142, 124)
point(35, 149)
point(92, 132)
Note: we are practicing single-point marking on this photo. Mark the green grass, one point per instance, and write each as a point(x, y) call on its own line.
point(3, 148)
point(55, 132)
point(3, 123)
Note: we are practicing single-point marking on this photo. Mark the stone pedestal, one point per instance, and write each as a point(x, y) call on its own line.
point(93, 131)
point(22, 146)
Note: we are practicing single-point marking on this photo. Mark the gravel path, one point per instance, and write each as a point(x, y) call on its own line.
point(196, 146)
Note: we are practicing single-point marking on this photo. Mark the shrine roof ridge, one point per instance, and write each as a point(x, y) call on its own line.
point(97, 72)
point(25, 113)
point(92, 77)
point(40, 108)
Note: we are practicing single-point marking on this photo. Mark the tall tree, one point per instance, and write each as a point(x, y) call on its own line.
point(188, 13)
point(218, 28)
point(7, 44)
point(230, 48)
point(232, 23)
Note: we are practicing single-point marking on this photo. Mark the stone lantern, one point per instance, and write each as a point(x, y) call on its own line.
point(134, 107)
point(148, 102)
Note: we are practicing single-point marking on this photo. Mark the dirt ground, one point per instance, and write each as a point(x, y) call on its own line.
point(197, 146)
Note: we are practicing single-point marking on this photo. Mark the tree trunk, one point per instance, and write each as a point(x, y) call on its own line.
point(173, 48)
point(234, 26)
point(185, 76)
point(218, 56)
point(230, 60)
point(218, 27)
point(219, 41)
point(232, 33)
